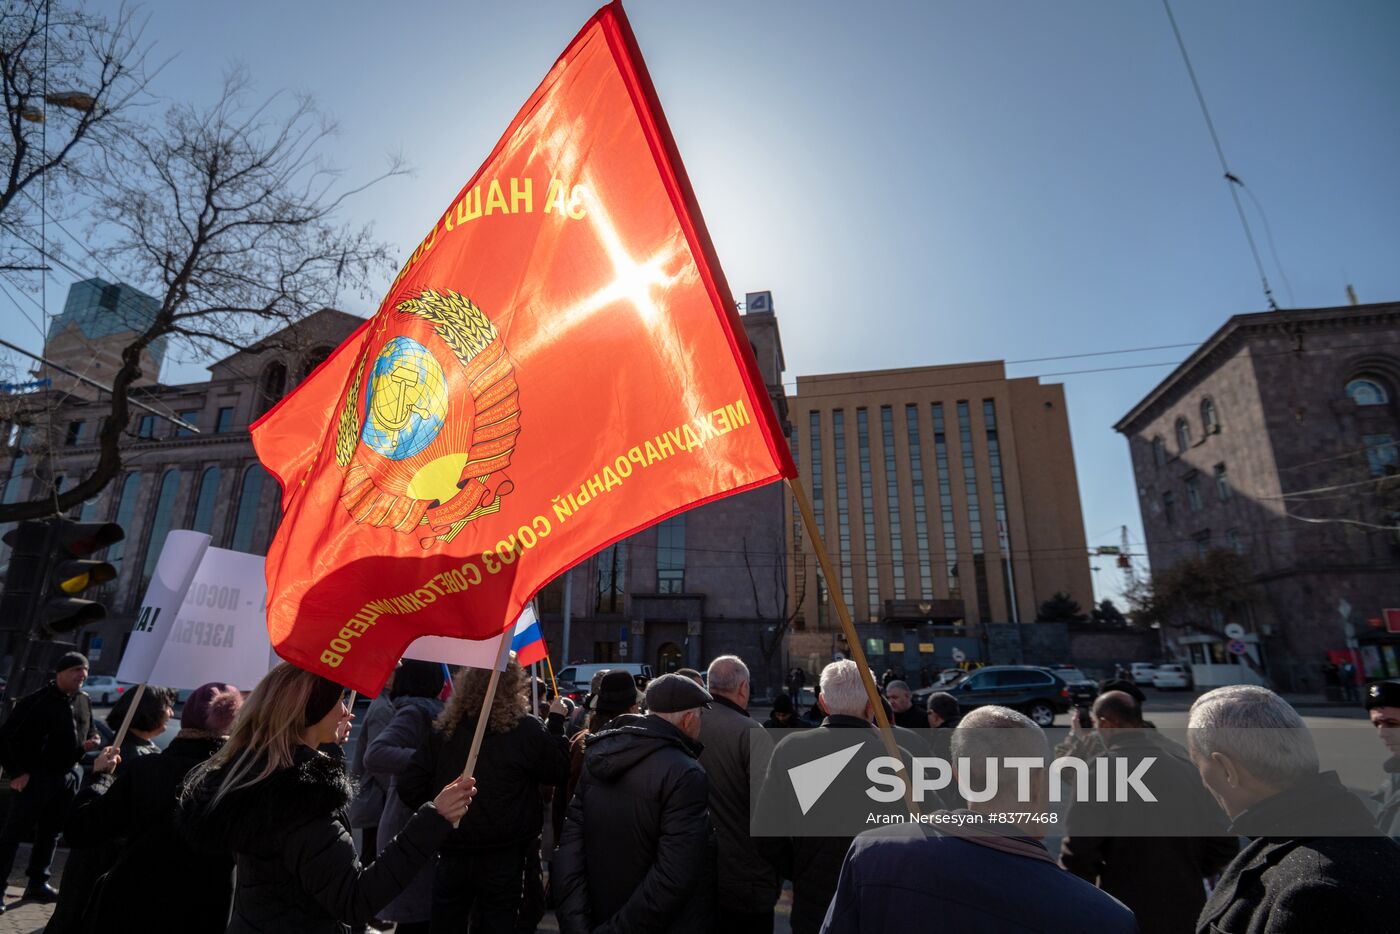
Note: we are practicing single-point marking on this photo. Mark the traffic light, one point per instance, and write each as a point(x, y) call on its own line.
point(52, 563)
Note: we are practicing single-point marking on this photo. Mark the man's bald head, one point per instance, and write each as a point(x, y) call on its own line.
point(1116, 710)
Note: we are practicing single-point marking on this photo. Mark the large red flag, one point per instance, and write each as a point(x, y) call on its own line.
point(558, 365)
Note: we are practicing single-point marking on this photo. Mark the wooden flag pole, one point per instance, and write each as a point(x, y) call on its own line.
point(549, 665)
point(502, 654)
point(350, 704)
point(130, 712)
point(844, 615)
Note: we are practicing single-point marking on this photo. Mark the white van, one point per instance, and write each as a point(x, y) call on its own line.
point(575, 680)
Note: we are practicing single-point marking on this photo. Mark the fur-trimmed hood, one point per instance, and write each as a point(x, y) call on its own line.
point(257, 819)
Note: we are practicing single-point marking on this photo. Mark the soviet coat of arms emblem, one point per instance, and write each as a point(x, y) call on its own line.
point(426, 449)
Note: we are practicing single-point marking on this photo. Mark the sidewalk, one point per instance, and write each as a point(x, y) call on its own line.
point(28, 917)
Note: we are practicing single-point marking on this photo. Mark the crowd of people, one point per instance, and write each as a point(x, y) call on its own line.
point(633, 811)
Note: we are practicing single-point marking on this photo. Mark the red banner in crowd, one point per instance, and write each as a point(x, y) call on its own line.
point(557, 366)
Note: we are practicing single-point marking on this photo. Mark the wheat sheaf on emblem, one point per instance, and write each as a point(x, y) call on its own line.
point(388, 492)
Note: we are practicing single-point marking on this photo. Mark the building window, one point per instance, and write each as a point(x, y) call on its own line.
point(315, 358)
point(799, 566)
point(916, 477)
point(843, 509)
point(271, 387)
point(126, 511)
point(246, 519)
point(989, 415)
point(191, 416)
point(224, 421)
point(203, 520)
point(974, 510)
point(867, 508)
point(1169, 506)
point(670, 555)
point(1366, 391)
point(146, 428)
point(75, 433)
point(612, 578)
point(814, 438)
point(1202, 540)
point(1210, 422)
point(1232, 539)
point(1222, 484)
point(1193, 492)
point(1159, 451)
point(161, 520)
point(945, 500)
point(1183, 435)
point(1381, 454)
point(892, 501)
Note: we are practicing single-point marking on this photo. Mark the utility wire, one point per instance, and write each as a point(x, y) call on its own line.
point(1231, 179)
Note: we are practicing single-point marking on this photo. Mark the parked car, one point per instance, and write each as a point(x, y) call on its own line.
point(1171, 676)
point(1141, 672)
point(575, 680)
point(1082, 689)
point(1039, 693)
point(105, 689)
point(945, 680)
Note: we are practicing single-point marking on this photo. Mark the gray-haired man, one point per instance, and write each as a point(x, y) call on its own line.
point(1315, 859)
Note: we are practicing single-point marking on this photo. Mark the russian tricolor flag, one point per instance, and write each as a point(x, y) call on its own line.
point(528, 641)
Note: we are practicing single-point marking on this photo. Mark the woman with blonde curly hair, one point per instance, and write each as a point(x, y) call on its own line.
point(278, 804)
point(481, 866)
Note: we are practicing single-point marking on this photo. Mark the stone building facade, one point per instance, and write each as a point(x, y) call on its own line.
point(1277, 438)
point(947, 498)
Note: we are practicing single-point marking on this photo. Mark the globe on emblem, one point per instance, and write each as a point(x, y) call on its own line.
point(407, 404)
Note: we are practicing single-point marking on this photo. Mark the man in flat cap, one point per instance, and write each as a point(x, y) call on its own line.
point(1383, 705)
point(638, 851)
point(41, 745)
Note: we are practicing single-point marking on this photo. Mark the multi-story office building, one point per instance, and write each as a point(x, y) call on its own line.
point(1277, 438)
point(947, 498)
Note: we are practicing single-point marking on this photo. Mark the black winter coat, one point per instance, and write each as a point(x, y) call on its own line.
point(638, 850)
point(139, 808)
point(507, 809)
point(45, 733)
point(1309, 882)
point(296, 862)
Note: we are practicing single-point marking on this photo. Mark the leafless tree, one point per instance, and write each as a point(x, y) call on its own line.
point(72, 83)
point(229, 215)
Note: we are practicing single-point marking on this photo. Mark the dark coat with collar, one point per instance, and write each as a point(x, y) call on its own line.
point(901, 878)
point(137, 811)
point(1135, 851)
point(297, 871)
point(638, 851)
point(813, 863)
point(1307, 882)
point(733, 745)
point(1387, 799)
point(45, 733)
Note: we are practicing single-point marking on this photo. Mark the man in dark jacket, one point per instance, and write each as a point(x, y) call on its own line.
point(916, 877)
point(1383, 707)
point(748, 885)
point(638, 850)
point(1315, 859)
point(44, 740)
point(1151, 856)
point(906, 713)
point(789, 826)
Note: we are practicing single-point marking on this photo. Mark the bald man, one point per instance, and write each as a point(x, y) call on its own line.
point(1123, 847)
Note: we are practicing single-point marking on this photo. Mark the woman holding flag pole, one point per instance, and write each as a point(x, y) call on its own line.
point(279, 805)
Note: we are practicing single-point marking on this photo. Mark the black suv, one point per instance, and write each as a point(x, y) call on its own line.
point(1038, 693)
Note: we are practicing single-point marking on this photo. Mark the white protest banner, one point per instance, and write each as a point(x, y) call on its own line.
point(220, 633)
point(179, 560)
point(472, 653)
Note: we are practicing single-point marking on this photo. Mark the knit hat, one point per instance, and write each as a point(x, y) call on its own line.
point(1383, 694)
point(782, 704)
point(325, 694)
point(70, 660)
point(212, 708)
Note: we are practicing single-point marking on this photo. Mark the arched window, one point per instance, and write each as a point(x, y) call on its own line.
point(125, 512)
point(314, 358)
point(247, 517)
point(271, 388)
point(1183, 435)
point(1159, 451)
point(203, 520)
point(1367, 391)
point(161, 519)
point(1210, 422)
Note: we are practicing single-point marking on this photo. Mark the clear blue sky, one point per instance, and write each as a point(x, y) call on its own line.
point(918, 183)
